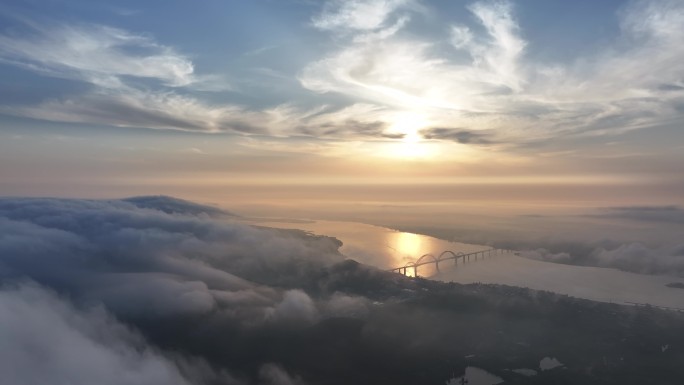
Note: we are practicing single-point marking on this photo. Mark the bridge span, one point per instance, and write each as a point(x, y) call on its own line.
point(448, 255)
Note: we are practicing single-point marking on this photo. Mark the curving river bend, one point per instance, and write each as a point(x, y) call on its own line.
point(386, 248)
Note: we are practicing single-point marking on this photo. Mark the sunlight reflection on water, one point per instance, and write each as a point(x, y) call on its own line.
point(380, 246)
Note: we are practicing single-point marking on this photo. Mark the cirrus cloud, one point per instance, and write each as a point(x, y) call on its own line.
point(380, 64)
point(488, 83)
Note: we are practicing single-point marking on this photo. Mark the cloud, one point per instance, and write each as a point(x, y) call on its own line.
point(155, 264)
point(130, 107)
point(487, 82)
point(122, 67)
point(342, 305)
point(385, 63)
point(182, 297)
point(660, 19)
point(664, 214)
point(363, 15)
point(96, 54)
point(296, 306)
point(137, 258)
point(404, 74)
point(147, 259)
point(192, 150)
point(639, 258)
point(47, 340)
point(272, 374)
point(456, 134)
point(545, 255)
point(171, 205)
point(634, 257)
point(500, 56)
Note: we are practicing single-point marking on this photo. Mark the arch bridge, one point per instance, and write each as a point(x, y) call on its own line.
point(447, 255)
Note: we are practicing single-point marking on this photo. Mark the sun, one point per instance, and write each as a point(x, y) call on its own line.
point(412, 145)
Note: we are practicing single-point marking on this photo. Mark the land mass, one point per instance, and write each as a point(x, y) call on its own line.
point(420, 332)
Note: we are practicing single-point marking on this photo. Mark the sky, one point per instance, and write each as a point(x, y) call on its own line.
point(356, 109)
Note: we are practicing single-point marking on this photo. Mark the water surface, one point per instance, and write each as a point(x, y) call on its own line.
point(379, 246)
point(386, 248)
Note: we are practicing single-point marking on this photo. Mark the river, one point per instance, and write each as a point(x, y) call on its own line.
point(386, 248)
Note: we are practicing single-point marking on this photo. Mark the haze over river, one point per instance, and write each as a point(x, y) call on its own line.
point(386, 248)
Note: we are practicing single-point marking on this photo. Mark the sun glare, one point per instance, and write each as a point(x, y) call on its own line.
point(411, 145)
